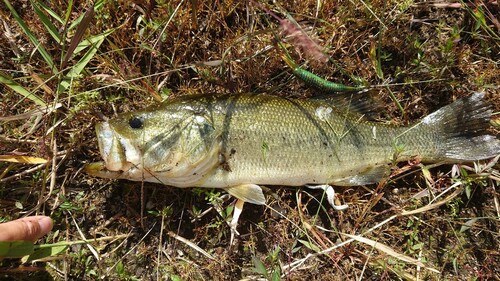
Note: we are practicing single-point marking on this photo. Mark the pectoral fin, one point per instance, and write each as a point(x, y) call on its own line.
point(250, 193)
point(369, 176)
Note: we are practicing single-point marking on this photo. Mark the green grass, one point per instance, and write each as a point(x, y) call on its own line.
point(65, 66)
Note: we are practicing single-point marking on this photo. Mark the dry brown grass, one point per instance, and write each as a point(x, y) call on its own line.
point(425, 54)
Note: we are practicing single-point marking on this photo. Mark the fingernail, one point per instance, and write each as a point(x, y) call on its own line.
point(45, 224)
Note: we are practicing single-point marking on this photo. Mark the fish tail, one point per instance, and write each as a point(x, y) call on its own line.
point(461, 130)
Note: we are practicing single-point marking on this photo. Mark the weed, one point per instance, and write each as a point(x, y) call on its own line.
point(272, 271)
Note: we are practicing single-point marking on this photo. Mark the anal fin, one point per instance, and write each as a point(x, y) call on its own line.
point(369, 176)
point(250, 193)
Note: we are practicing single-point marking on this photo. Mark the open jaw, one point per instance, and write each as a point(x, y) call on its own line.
point(119, 154)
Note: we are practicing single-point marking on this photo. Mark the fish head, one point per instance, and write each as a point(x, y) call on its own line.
point(166, 144)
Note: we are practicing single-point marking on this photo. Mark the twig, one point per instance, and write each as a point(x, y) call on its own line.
point(25, 172)
point(190, 244)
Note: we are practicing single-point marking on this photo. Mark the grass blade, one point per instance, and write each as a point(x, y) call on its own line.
point(95, 43)
point(51, 12)
point(45, 252)
point(389, 251)
point(80, 65)
point(39, 47)
point(51, 28)
point(15, 249)
point(91, 41)
point(16, 87)
point(77, 38)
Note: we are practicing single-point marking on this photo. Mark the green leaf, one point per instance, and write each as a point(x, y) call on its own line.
point(310, 245)
point(47, 23)
point(9, 82)
point(259, 266)
point(229, 210)
point(50, 251)
point(276, 276)
point(39, 47)
point(80, 65)
point(120, 269)
point(175, 278)
point(468, 191)
point(375, 58)
point(15, 249)
point(92, 41)
point(51, 12)
point(69, 9)
point(468, 224)
point(479, 15)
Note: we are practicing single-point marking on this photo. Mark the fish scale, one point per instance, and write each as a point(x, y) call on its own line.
point(287, 143)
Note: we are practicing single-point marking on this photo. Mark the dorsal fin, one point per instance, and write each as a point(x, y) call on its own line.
point(360, 103)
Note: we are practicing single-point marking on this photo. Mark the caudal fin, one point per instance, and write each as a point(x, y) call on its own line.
point(462, 128)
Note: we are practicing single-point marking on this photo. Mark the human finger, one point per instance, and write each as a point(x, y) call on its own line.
point(27, 229)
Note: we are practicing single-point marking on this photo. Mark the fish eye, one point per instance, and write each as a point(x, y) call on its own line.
point(135, 122)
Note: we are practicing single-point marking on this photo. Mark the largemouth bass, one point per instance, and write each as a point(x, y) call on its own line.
point(240, 142)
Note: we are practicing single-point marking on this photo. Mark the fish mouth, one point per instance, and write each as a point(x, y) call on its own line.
point(98, 169)
point(118, 153)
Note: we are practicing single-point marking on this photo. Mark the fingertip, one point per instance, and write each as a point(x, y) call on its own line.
point(46, 225)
